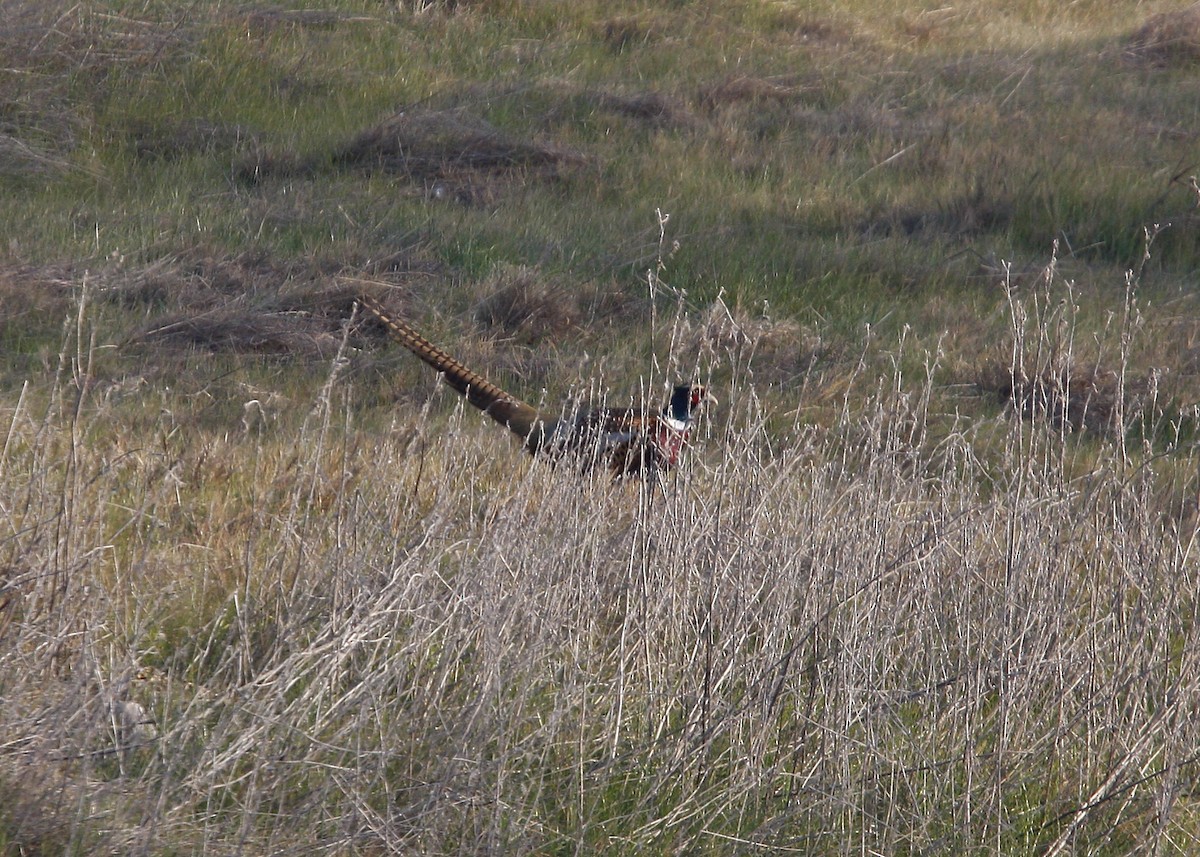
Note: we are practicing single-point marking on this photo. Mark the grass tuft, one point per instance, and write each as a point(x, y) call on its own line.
point(1167, 40)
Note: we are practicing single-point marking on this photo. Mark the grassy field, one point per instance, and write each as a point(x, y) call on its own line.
point(928, 582)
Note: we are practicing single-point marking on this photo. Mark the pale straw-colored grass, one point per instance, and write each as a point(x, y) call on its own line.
point(897, 633)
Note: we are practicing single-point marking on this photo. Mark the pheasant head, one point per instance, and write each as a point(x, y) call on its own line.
point(686, 400)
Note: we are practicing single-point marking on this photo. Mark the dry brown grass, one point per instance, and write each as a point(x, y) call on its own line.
point(32, 292)
point(19, 159)
point(1167, 40)
point(243, 330)
point(773, 351)
point(57, 58)
point(574, 635)
point(524, 304)
point(1071, 397)
point(428, 144)
point(453, 154)
point(85, 37)
point(192, 137)
point(200, 298)
point(867, 616)
point(755, 90)
point(417, 639)
point(628, 31)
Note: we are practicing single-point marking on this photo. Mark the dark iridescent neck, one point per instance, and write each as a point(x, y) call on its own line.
point(680, 406)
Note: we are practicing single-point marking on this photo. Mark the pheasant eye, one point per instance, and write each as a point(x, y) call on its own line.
point(697, 395)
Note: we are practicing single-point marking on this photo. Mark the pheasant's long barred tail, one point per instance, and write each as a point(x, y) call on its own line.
point(456, 373)
point(626, 441)
point(520, 418)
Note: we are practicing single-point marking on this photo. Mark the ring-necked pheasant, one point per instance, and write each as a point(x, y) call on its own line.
point(626, 441)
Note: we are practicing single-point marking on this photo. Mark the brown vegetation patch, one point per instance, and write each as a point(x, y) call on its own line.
point(247, 306)
point(56, 57)
point(566, 103)
point(242, 329)
point(190, 136)
point(622, 33)
point(651, 108)
point(440, 144)
point(773, 351)
point(21, 159)
point(1169, 39)
point(968, 214)
point(742, 89)
point(456, 155)
point(199, 281)
point(34, 300)
point(528, 306)
point(268, 20)
point(70, 740)
point(78, 37)
point(257, 163)
point(1074, 398)
point(38, 807)
point(253, 303)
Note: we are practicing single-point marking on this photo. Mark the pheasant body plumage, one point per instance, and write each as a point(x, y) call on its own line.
point(625, 441)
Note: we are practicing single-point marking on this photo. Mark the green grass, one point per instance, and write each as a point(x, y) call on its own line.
point(926, 583)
